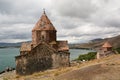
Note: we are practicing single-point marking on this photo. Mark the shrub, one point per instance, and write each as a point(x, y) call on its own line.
point(118, 50)
point(89, 56)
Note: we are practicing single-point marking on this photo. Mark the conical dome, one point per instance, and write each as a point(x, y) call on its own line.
point(106, 45)
point(44, 23)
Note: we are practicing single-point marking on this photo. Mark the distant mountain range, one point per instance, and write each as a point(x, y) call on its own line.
point(4, 45)
point(96, 43)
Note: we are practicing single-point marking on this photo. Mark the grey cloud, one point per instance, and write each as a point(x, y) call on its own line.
point(20, 11)
point(107, 14)
point(75, 8)
point(106, 1)
point(15, 32)
point(15, 36)
point(5, 6)
point(114, 23)
point(75, 20)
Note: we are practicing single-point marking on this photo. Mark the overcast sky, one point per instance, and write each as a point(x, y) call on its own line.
point(75, 20)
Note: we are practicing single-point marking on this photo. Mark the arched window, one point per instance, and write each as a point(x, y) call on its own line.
point(43, 36)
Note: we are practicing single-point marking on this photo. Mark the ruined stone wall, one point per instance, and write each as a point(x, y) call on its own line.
point(37, 60)
point(61, 59)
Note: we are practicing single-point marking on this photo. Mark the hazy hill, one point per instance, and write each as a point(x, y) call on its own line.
point(4, 45)
point(96, 43)
point(115, 41)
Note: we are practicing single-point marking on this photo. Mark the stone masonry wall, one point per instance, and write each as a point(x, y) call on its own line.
point(37, 60)
point(49, 36)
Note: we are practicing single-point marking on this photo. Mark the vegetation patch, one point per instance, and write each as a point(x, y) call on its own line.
point(87, 57)
point(5, 79)
point(17, 76)
point(118, 50)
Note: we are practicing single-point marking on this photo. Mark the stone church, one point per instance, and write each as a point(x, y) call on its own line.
point(105, 50)
point(44, 52)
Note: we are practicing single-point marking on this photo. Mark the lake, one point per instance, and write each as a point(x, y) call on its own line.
point(7, 56)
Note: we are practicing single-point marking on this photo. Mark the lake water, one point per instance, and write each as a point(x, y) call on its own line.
point(7, 56)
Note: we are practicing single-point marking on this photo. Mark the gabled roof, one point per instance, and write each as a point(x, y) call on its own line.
point(44, 23)
point(106, 44)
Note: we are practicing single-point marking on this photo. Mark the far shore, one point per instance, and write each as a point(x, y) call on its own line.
point(70, 47)
point(10, 47)
point(81, 48)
